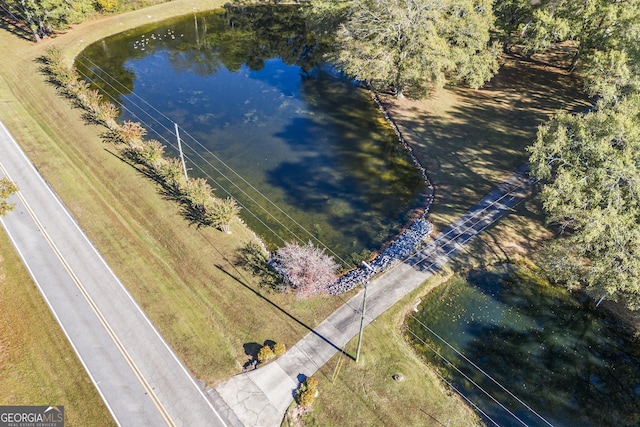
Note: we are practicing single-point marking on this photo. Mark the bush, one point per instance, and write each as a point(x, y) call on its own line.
point(107, 114)
point(147, 153)
point(221, 212)
point(131, 133)
point(168, 171)
point(279, 349)
point(108, 5)
point(307, 392)
point(198, 192)
point(265, 353)
point(53, 56)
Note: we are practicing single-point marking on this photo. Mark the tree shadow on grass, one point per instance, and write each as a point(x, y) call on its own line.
point(471, 139)
point(289, 315)
point(15, 28)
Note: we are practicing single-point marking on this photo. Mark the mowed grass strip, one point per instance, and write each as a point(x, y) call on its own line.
point(37, 364)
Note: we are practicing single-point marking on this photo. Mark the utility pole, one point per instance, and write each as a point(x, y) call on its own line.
point(364, 307)
point(184, 165)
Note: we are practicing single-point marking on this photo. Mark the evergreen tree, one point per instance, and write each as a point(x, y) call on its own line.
point(43, 17)
point(591, 163)
point(418, 44)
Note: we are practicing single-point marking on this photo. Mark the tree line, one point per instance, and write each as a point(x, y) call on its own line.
point(590, 162)
point(43, 18)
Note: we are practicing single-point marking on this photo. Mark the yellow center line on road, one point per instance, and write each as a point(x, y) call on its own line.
point(94, 307)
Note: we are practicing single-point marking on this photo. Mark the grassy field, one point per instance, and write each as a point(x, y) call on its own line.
point(186, 279)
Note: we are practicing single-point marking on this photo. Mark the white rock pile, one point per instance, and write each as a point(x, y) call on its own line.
point(406, 243)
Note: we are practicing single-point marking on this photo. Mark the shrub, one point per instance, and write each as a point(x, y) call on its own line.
point(169, 172)
point(265, 353)
point(53, 56)
point(107, 114)
point(76, 88)
point(93, 102)
point(307, 392)
point(108, 5)
point(130, 133)
point(279, 349)
point(307, 269)
point(147, 152)
point(312, 383)
point(199, 193)
point(221, 212)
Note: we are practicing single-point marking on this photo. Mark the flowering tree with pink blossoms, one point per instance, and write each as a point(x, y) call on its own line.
point(307, 269)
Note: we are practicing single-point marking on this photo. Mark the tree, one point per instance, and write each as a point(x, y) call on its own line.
point(592, 25)
point(7, 188)
point(221, 212)
point(42, 17)
point(591, 163)
point(418, 44)
point(307, 269)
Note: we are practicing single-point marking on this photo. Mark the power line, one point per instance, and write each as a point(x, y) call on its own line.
point(205, 173)
point(282, 211)
point(468, 379)
point(221, 161)
point(198, 154)
point(481, 370)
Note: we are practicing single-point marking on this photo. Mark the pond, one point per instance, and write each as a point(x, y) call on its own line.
point(304, 150)
point(552, 359)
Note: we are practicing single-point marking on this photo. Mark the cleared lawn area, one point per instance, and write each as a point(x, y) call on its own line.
point(37, 364)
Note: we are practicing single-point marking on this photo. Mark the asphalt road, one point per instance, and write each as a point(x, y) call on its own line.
point(139, 378)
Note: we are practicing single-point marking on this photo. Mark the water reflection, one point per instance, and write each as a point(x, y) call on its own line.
point(249, 89)
point(570, 365)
